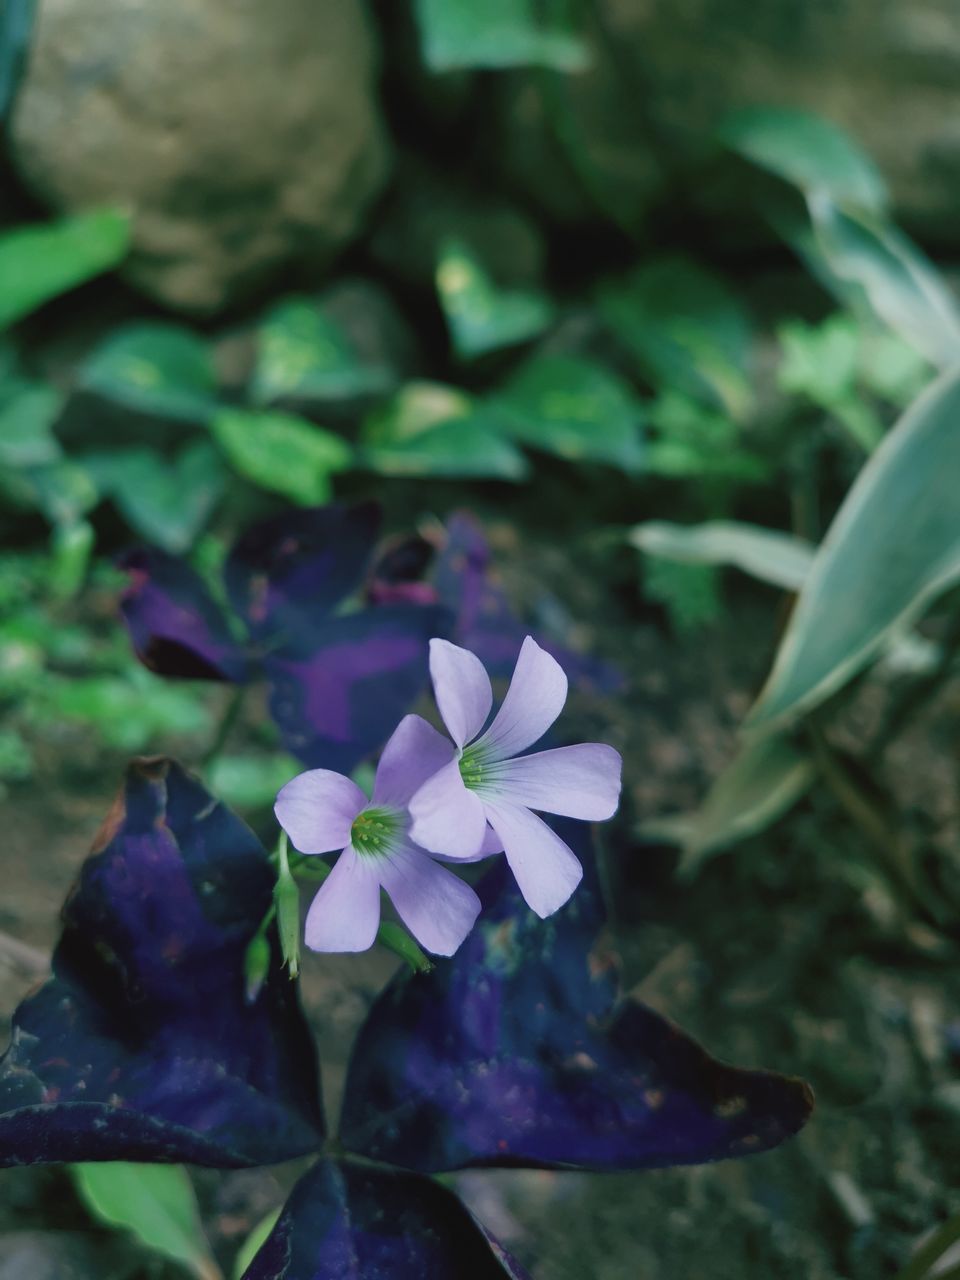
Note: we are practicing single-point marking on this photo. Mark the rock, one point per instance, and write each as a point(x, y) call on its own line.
point(244, 138)
point(640, 121)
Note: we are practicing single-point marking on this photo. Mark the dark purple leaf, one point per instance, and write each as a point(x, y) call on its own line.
point(142, 1047)
point(347, 1222)
point(176, 627)
point(516, 1052)
point(289, 572)
point(340, 692)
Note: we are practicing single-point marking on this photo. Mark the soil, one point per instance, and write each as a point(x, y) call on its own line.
point(788, 952)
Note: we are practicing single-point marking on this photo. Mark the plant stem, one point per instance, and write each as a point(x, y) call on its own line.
point(227, 722)
point(929, 1253)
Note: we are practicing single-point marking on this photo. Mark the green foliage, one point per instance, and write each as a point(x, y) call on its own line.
point(892, 548)
point(304, 355)
point(481, 317)
point(39, 262)
point(458, 34)
point(154, 368)
point(282, 452)
point(156, 1203)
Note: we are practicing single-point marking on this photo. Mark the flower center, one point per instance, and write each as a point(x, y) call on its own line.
point(475, 767)
point(374, 831)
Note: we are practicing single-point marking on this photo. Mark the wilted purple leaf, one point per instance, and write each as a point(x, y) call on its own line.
point(176, 627)
point(341, 689)
point(517, 1052)
point(350, 1222)
point(142, 1046)
point(291, 571)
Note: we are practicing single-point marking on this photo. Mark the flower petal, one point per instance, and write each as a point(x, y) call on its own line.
point(435, 905)
point(317, 809)
point(415, 752)
point(546, 869)
point(535, 698)
point(576, 782)
point(345, 914)
point(462, 689)
point(447, 818)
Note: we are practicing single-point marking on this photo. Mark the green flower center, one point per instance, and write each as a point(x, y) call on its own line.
point(476, 767)
point(374, 831)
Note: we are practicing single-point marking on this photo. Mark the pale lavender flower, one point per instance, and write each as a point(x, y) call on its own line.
point(323, 811)
point(480, 801)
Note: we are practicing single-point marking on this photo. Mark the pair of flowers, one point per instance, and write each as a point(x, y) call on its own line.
point(438, 800)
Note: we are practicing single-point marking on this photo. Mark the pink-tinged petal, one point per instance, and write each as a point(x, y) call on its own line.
point(447, 818)
point(345, 914)
point(415, 752)
point(317, 809)
point(546, 869)
point(575, 782)
point(435, 905)
point(538, 690)
point(462, 689)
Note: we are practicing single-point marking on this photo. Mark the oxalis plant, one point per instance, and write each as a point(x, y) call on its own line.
point(171, 1030)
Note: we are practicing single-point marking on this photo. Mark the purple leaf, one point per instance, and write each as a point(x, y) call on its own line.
point(340, 691)
point(518, 1052)
point(176, 627)
point(347, 1222)
point(287, 573)
point(141, 1046)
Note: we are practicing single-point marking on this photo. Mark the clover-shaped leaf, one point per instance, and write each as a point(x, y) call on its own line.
point(142, 1046)
point(346, 1221)
point(338, 682)
point(519, 1052)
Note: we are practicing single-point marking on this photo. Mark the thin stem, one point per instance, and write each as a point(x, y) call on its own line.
point(227, 722)
point(932, 1251)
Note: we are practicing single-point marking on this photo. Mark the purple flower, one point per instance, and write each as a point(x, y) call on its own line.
point(322, 812)
point(480, 801)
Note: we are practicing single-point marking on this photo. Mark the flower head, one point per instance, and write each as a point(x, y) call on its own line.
point(480, 801)
point(323, 812)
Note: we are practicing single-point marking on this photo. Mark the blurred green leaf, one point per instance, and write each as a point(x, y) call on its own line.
point(155, 368)
point(890, 276)
point(808, 151)
point(457, 34)
point(574, 408)
point(28, 411)
point(167, 501)
point(765, 779)
point(304, 355)
point(250, 782)
point(282, 452)
point(428, 429)
point(253, 1243)
point(893, 546)
point(39, 262)
point(686, 330)
point(156, 1202)
point(482, 317)
point(778, 558)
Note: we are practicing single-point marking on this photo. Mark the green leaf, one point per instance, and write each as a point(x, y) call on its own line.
point(765, 779)
point(28, 411)
point(481, 317)
point(808, 151)
point(282, 452)
point(39, 262)
point(154, 368)
point(167, 501)
point(893, 546)
point(156, 1202)
point(254, 1243)
point(778, 558)
point(304, 355)
point(428, 429)
point(575, 409)
point(891, 278)
point(685, 329)
point(457, 34)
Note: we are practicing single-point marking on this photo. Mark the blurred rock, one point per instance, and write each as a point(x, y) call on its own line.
point(640, 121)
point(245, 138)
